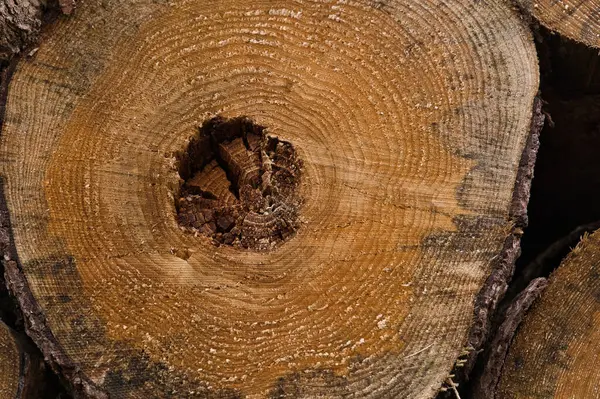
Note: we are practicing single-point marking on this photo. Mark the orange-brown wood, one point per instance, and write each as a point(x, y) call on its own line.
point(555, 352)
point(409, 118)
point(576, 19)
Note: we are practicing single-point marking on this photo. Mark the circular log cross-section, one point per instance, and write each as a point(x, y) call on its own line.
point(556, 351)
point(380, 139)
point(576, 19)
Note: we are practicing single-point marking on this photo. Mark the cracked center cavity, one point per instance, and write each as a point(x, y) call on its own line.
point(239, 185)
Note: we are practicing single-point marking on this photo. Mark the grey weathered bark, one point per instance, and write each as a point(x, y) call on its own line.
point(20, 23)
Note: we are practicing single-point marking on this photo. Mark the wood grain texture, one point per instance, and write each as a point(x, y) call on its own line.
point(10, 361)
point(556, 350)
point(576, 19)
point(486, 380)
point(410, 119)
point(23, 374)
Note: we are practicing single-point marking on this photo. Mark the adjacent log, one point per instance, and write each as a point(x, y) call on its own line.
point(556, 352)
point(486, 379)
point(22, 371)
point(576, 19)
point(285, 199)
point(10, 360)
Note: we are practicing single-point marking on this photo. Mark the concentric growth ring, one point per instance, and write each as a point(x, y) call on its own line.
point(409, 118)
point(576, 19)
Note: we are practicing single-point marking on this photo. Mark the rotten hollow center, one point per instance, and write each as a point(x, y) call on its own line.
point(239, 185)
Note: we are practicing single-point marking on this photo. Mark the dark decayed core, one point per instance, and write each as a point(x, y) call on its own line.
point(239, 185)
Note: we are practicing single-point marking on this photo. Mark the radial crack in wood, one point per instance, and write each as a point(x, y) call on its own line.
point(555, 351)
point(410, 119)
point(576, 19)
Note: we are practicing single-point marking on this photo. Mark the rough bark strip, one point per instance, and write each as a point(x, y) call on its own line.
point(20, 23)
point(485, 386)
point(497, 284)
point(525, 174)
point(548, 260)
point(38, 330)
point(5, 76)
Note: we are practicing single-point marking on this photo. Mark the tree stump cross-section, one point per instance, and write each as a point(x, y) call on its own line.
point(407, 119)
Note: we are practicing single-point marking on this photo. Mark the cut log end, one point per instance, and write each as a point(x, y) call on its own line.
point(10, 361)
point(555, 351)
point(385, 181)
point(22, 371)
point(576, 19)
point(486, 380)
